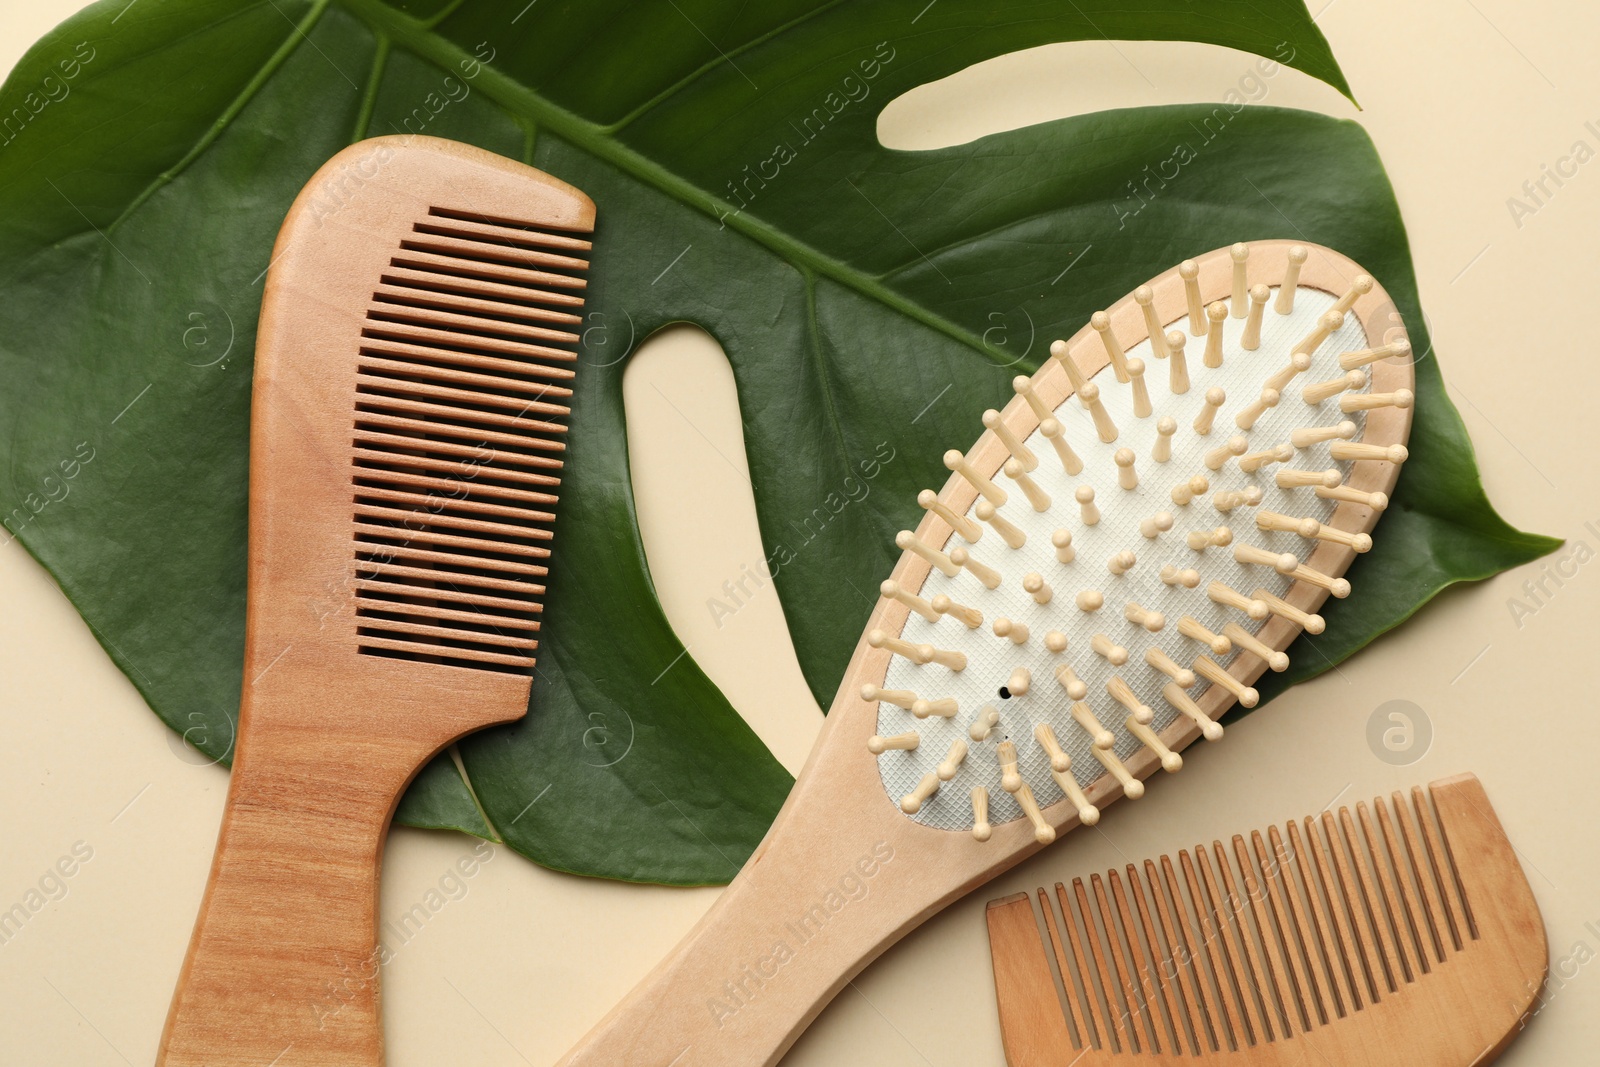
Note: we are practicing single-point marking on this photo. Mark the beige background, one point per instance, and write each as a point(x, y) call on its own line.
point(1465, 99)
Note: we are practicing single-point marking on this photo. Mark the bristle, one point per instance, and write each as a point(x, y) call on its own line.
point(1125, 474)
point(943, 708)
point(1038, 499)
point(1353, 450)
point(1132, 788)
point(1043, 832)
point(1178, 373)
point(1019, 451)
point(1155, 330)
point(912, 802)
point(1181, 701)
point(1005, 754)
point(1329, 322)
point(1189, 271)
point(1119, 690)
point(1070, 681)
point(890, 590)
point(1216, 312)
point(1311, 624)
point(1152, 621)
point(1085, 717)
point(1015, 632)
point(1046, 736)
point(1400, 398)
point(1251, 413)
point(1141, 392)
point(928, 500)
point(1161, 451)
point(1101, 322)
point(1184, 493)
point(1291, 478)
point(1215, 398)
point(981, 830)
point(1224, 594)
point(952, 760)
point(1089, 396)
point(1251, 462)
point(1063, 356)
point(1062, 541)
point(1240, 254)
point(987, 575)
point(1312, 435)
point(1084, 495)
point(1171, 762)
point(1022, 385)
point(1227, 500)
point(899, 742)
point(1108, 650)
point(902, 698)
point(1235, 446)
point(988, 514)
point(1156, 525)
point(1299, 363)
point(1360, 358)
point(1218, 537)
point(1291, 280)
point(1164, 663)
point(1317, 393)
point(1187, 577)
point(971, 618)
point(1375, 501)
point(1053, 432)
point(1213, 672)
point(1282, 562)
point(907, 541)
point(1250, 340)
point(1248, 641)
point(958, 463)
point(1360, 286)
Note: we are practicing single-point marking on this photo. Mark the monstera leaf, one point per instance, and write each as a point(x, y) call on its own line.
point(871, 302)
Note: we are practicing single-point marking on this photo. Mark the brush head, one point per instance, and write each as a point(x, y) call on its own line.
point(1139, 541)
point(413, 374)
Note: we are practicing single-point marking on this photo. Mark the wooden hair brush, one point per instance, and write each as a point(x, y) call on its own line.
point(1059, 626)
point(1383, 938)
point(413, 362)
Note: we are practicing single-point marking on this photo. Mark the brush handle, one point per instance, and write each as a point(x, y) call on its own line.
point(770, 954)
point(284, 956)
point(841, 876)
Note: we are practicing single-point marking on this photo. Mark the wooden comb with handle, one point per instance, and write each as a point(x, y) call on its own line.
point(1391, 936)
point(413, 362)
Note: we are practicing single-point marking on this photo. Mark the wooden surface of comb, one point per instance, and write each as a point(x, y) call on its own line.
point(1403, 932)
point(413, 365)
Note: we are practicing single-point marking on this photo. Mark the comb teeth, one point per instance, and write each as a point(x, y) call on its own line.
point(1253, 943)
point(457, 446)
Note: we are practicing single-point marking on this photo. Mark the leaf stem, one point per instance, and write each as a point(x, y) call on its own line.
point(594, 139)
point(276, 60)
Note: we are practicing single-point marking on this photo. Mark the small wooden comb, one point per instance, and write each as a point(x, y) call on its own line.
point(1376, 938)
point(415, 347)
